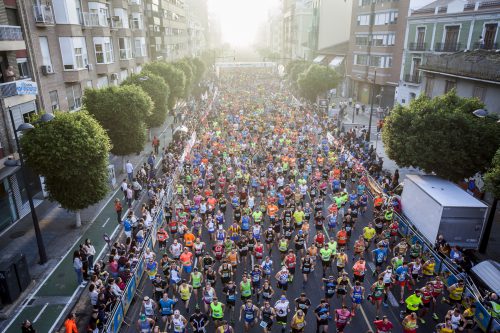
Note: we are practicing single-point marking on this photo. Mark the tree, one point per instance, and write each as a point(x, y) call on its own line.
point(185, 67)
point(71, 152)
point(122, 111)
point(293, 69)
point(200, 69)
point(492, 177)
point(173, 76)
point(317, 80)
point(441, 136)
point(158, 90)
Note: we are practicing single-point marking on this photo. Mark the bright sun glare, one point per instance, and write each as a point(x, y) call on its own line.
point(240, 19)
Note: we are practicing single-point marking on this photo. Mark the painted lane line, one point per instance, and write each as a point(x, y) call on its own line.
point(40, 313)
point(63, 311)
point(107, 220)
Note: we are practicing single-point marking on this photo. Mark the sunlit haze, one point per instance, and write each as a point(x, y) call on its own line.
point(240, 19)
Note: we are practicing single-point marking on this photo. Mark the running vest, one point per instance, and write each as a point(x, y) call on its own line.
point(246, 290)
point(217, 312)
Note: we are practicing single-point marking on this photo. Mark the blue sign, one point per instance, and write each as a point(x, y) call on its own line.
point(482, 316)
point(140, 270)
point(26, 87)
point(129, 294)
point(159, 218)
point(117, 318)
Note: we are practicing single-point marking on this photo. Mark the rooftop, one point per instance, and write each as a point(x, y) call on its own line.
point(456, 6)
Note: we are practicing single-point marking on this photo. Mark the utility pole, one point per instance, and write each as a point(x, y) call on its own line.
point(371, 107)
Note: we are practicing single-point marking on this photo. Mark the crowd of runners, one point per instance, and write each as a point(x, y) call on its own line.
point(272, 196)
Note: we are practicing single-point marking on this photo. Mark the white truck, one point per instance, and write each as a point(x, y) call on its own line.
point(439, 207)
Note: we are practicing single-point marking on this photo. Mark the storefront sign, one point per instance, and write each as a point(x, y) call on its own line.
point(26, 87)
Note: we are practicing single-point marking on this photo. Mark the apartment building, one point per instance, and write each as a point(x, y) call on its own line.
point(297, 29)
point(375, 49)
point(17, 103)
point(444, 28)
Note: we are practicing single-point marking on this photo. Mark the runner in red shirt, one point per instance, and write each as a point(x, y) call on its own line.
point(383, 326)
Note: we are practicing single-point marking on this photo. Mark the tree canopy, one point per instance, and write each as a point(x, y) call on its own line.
point(158, 90)
point(293, 69)
point(173, 76)
point(441, 136)
point(492, 177)
point(122, 111)
point(71, 152)
point(185, 67)
point(317, 80)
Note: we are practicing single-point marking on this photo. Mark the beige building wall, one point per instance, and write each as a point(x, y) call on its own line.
point(334, 22)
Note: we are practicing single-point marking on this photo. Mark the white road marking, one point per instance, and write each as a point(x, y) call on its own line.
point(40, 313)
point(63, 311)
point(107, 220)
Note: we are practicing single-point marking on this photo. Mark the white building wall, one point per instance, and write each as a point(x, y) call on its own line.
point(334, 22)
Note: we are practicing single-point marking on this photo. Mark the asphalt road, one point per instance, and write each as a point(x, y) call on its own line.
point(362, 322)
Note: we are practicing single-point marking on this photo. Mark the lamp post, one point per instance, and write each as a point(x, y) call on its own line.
point(483, 244)
point(368, 134)
point(23, 128)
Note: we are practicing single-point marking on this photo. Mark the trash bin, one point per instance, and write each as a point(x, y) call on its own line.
point(9, 286)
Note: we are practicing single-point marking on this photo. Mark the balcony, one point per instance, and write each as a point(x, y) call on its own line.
point(412, 78)
point(11, 38)
point(493, 46)
point(75, 75)
point(19, 87)
point(44, 16)
point(448, 47)
point(95, 20)
point(418, 47)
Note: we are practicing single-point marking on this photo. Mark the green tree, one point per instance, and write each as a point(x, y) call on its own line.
point(492, 177)
point(293, 69)
point(185, 67)
point(173, 76)
point(317, 80)
point(441, 136)
point(200, 69)
point(158, 90)
point(122, 111)
point(71, 152)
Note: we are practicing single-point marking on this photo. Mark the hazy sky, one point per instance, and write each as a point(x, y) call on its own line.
point(240, 19)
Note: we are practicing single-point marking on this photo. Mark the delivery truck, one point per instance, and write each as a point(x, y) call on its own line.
point(439, 207)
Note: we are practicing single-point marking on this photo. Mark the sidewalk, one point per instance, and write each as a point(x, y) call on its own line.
point(54, 284)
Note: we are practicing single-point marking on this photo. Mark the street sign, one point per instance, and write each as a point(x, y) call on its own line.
point(323, 103)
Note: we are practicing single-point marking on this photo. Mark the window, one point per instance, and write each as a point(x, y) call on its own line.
point(479, 92)
point(136, 21)
point(102, 82)
point(388, 62)
point(103, 50)
point(140, 47)
point(125, 48)
point(360, 59)
point(44, 48)
point(73, 52)
point(362, 40)
point(54, 100)
point(449, 85)
point(22, 66)
point(379, 40)
point(363, 19)
point(376, 61)
point(74, 96)
point(122, 18)
point(386, 18)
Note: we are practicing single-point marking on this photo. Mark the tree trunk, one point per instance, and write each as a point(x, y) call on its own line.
point(78, 223)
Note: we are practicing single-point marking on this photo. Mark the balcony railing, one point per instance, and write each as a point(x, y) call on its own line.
point(43, 14)
point(95, 20)
point(412, 78)
point(448, 47)
point(10, 32)
point(125, 54)
point(10, 89)
point(418, 46)
point(493, 46)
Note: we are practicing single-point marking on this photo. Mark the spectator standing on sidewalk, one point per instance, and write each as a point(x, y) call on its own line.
point(357, 107)
point(130, 170)
point(78, 266)
point(156, 144)
point(70, 324)
point(130, 195)
point(151, 163)
point(90, 250)
point(118, 210)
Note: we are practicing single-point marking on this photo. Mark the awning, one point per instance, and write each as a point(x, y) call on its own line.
point(319, 59)
point(181, 129)
point(336, 61)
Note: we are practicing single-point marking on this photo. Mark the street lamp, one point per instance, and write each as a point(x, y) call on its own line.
point(371, 107)
point(482, 113)
point(11, 162)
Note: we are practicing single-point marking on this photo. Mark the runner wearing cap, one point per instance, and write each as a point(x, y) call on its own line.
point(179, 322)
point(282, 308)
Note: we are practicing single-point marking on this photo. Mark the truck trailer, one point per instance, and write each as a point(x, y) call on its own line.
point(439, 207)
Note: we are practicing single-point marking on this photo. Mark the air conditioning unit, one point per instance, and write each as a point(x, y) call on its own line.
point(90, 67)
point(47, 69)
point(114, 77)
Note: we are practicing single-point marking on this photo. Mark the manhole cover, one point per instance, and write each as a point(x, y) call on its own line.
point(17, 234)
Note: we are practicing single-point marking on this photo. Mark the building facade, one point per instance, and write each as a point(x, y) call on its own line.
point(376, 46)
point(470, 73)
point(297, 29)
point(445, 27)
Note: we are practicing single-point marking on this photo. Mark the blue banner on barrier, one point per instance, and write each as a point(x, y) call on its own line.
point(117, 318)
point(140, 270)
point(482, 316)
point(159, 219)
point(403, 227)
point(129, 294)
